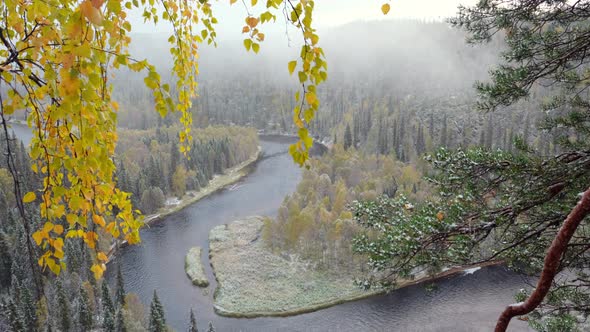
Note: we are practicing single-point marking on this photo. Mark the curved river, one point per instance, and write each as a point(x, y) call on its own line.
point(470, 302)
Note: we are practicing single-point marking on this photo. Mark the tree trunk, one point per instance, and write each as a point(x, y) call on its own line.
point(551, 264)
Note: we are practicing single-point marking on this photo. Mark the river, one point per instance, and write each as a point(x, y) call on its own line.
point(469, 302)
point(21, 131)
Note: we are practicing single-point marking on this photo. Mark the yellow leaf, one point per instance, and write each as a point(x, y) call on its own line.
point(59, 254)
point(58, 244)
point(440, 216)
point(55, 268)
point(91, 13)
point(71, 218)
point(98, 220)
point(47, 227)
point(97, 270)
point(38, 236)
point(231, 2)
point(29, 197)
point(58, 229)
point(101, 256)
point(385, 8)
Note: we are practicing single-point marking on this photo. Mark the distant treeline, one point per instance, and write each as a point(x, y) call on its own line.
point(407, 89)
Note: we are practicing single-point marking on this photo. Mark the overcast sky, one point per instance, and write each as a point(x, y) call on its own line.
point(328, 13)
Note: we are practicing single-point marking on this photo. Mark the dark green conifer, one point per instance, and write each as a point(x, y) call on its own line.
point(108, 309)
point(157, 317)
point(120, 294)
point(192, 323)
point(84, 311)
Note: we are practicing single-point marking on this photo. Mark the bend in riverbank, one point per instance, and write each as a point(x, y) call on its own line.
point(217, 183)
point(236, 251)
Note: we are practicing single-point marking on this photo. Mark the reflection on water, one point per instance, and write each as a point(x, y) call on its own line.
point(464, 303)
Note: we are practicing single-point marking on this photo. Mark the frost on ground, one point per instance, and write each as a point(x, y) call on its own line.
point(194, 268)
point(472, 270)
point(253, 281)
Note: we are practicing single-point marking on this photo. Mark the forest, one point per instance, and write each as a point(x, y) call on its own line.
point(457, 142)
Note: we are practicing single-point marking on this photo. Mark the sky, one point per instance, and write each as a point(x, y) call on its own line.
point(328, 13)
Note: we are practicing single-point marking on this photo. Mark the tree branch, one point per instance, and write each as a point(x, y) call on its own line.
point(551, 265)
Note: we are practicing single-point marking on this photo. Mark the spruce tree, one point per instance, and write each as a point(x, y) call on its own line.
point(193, 323)
point(157, 317)
point(120, 294)
point(10, 312)
point(347, 138)
point(5, 263)
point(121, 321)
point(108, 309)
point(63, 308)
point(28, 310)
point(84, 311)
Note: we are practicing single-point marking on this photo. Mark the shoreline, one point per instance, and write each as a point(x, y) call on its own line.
point(217, 183)
point(285, 312)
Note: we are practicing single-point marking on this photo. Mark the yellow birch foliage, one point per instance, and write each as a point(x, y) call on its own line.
point(55, 62)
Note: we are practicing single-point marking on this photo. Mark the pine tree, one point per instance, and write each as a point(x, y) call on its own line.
point(84, 311)
point(120, 294)
point(192, 323)
point(211, 328)
point(63, 307)
point(108, 309)
point(157, 317)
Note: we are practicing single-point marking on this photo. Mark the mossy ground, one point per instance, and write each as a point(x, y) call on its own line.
point(253, 281)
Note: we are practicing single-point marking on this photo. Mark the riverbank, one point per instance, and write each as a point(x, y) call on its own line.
point(254, 282)
point(219, 182)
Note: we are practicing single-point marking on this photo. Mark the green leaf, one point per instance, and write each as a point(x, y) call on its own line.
point(302, 77)
point(292, 66)
point(247, 44)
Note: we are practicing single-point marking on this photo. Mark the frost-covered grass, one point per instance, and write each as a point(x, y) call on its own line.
point(252, 281)
point(194, 267)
